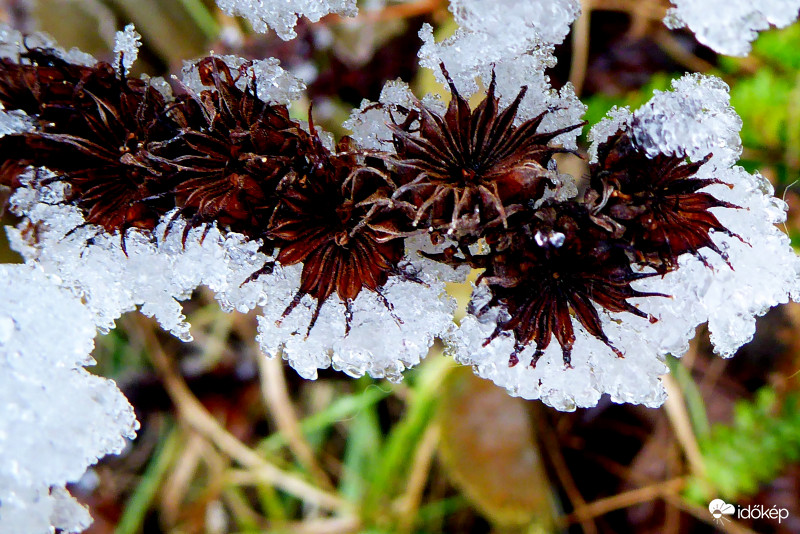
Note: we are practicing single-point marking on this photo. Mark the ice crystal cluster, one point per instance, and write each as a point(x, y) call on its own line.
point(126, 48)
point(282, 15)
point(516, 41)
point(154, 274)
point(56, 419)
point(415, 316)
point(273, 83)
point(134, 193)
point(729, 26)
point(761, 269)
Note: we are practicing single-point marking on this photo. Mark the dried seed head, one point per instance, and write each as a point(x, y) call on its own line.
point(555, 262)
point(574, 258)
point(42, 79)
point(654, 202)
point(231, 154)
point(470, 168)
point(330, 219)
point(93, 129)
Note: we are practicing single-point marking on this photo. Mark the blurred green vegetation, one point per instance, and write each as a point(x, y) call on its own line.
point(739, 457)
point(765, 91)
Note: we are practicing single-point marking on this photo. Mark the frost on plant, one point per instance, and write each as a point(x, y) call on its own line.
point(409, 314)
point(11, 46)
point(747, 266)
point(218, 185)
point(133, 194)
point(273, 84)
point(56, 419)
point(154, 274)
point(126, 48)
point(761, 269)
point(132, 197)
point(250, 193)
point(369, 123)
point(729, 26)
point(282, 15)
point(516, 40)
point(510, 40)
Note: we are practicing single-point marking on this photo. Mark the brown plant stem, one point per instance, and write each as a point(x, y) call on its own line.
point(624, 500)
point(556, 458)
point(681, 423)
point(193, 413)
point(276, 398)
point(176, 485)
point(408, 503)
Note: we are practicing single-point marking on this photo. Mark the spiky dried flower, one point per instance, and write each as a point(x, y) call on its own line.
point(470, 168)
point(654, 204)
point(40, 78)
point(94, 124)
point(573, 258)
point(331, 219)
point(232, 151)
point(553, 264)
point(222, 155)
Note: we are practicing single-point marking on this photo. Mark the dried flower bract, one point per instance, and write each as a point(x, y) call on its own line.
point(470, 168)
point(330, 219)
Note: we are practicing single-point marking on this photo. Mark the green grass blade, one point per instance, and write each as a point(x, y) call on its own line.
point(339, 410)
point(142, 498)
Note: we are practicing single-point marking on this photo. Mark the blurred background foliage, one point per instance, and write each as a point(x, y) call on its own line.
point(232, 443)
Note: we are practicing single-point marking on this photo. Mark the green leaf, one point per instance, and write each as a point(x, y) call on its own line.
point(391, 472)
point(763, 103)
point(340, 409)
point(361, 452)
point(140, 501)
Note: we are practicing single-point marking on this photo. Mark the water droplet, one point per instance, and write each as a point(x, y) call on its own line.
point(557, 239)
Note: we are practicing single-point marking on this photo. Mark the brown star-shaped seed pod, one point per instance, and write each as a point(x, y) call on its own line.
point(93, 128)
point(330, 219)
point(470, 168)
point(42, 79)
point(231, 154)
point(654, 204)
point(552, 266)
point(39, 83)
